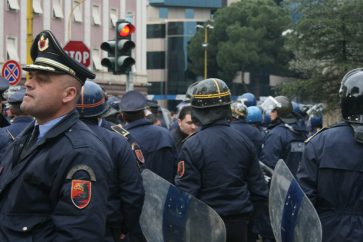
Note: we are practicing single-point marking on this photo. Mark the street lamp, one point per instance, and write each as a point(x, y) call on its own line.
point(205, 45)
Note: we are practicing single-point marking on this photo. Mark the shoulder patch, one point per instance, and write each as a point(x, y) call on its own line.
point(181, 168)
point(85, 168)
point(81, 191)
point(120, 130)
point(318, 132)
point(139, 155)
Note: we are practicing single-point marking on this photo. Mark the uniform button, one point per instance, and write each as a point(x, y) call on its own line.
point(25, 229)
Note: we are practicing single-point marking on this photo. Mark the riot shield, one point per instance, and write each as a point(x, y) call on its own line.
point(293, 217)
point(170, 214)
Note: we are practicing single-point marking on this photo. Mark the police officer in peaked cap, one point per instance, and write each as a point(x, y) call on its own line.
point(156, 143)
point(219, 165)
point(54, 179)
point(331, 170)
point(20, 120)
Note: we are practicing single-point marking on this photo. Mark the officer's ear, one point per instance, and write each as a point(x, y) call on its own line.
point(71, 90)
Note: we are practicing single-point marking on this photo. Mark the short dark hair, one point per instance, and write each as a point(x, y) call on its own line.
point(184, 111)
point(133, 116)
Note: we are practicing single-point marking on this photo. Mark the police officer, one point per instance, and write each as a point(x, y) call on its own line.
point(156, 143)
point(331, 171)
point(219, 165)
point(285, 138)
point(126, 192)
point(19, 122)
point(238, 122)
point(248, 99)
point(54, 181)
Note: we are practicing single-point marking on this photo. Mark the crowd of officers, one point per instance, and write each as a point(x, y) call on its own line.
point(71, 157)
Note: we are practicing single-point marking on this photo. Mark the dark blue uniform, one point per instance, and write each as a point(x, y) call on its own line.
point(8, 134)
point(251, 132)
point(221, 169)
point(57, 190)
point(284, 141)
point(126, 191)
point(331, 174)
point(157, 146)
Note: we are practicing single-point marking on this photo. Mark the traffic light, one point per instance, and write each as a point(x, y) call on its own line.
point(123, 47)
point(119, 59)
point(109, 61)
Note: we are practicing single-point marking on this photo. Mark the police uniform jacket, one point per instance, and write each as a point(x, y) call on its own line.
point(56, 190)
point(8, 134)
point(126, 191)
point(158, 147)
point(251, 132)
point(331, 174)
point(219, 166)
point(284, 141)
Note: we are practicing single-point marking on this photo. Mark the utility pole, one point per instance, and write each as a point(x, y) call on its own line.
point(29, 32)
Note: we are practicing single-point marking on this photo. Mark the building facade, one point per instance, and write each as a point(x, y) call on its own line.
point(170, 26)
point(89, 21)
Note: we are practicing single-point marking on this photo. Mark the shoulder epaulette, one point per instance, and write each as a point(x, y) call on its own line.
point(120, 130)
point(316, 133)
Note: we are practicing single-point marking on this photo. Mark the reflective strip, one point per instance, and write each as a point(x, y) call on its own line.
point(219, 91)
point(91, 105)
point(206, 96)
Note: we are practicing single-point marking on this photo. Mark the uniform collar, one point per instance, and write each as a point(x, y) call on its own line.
point(139, 122)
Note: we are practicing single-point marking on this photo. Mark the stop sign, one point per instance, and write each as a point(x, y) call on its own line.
point(78, 51)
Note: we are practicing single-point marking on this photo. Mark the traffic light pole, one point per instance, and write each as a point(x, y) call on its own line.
point(130, 81)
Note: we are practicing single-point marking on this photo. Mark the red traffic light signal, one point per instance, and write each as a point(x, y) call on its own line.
point(125, 29)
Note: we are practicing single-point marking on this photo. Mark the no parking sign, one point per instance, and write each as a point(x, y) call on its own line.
point(12, 72)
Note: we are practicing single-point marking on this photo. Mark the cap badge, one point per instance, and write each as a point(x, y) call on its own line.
point(43, 43)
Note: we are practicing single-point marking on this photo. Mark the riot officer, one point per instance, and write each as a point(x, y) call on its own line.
point(331, 170)
point(19, 122)
point(54, 178)
point(238, 122)
point(219, 165)
point(285, 138)
point(156, 143)
point(249, 99)
point(126, 191)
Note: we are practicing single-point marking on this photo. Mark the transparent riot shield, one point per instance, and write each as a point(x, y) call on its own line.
point(293, 217)
point(170, 214)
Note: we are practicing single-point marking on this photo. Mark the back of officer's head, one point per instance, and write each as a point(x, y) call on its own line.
point(239, 110)
point(91, 102)
point(210, 101)
point(132, 106)
point(351, 96)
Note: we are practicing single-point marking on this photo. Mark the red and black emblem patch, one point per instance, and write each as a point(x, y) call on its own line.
point(138, 153)
point(181, 168)
point(81, 193)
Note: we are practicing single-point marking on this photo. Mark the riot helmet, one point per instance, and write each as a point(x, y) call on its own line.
point(239, 110)
point(114, 102)
point(210, 93)
point(248, 99)
point(254, 115)
point(282, 105)
point(91, 102)
point(210, 101)
point(351, 96)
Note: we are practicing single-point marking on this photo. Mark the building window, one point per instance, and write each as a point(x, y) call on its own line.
point(96, 58)
point(78, 14)
point(113, 16)
point(11, 49)
point(96, 14)
point(189, 13)
point(156, 60)
point(13, 5)
point(37, 7)
point(176, 28)
point(57, 8)
point(163, 13)
point(155, 31)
